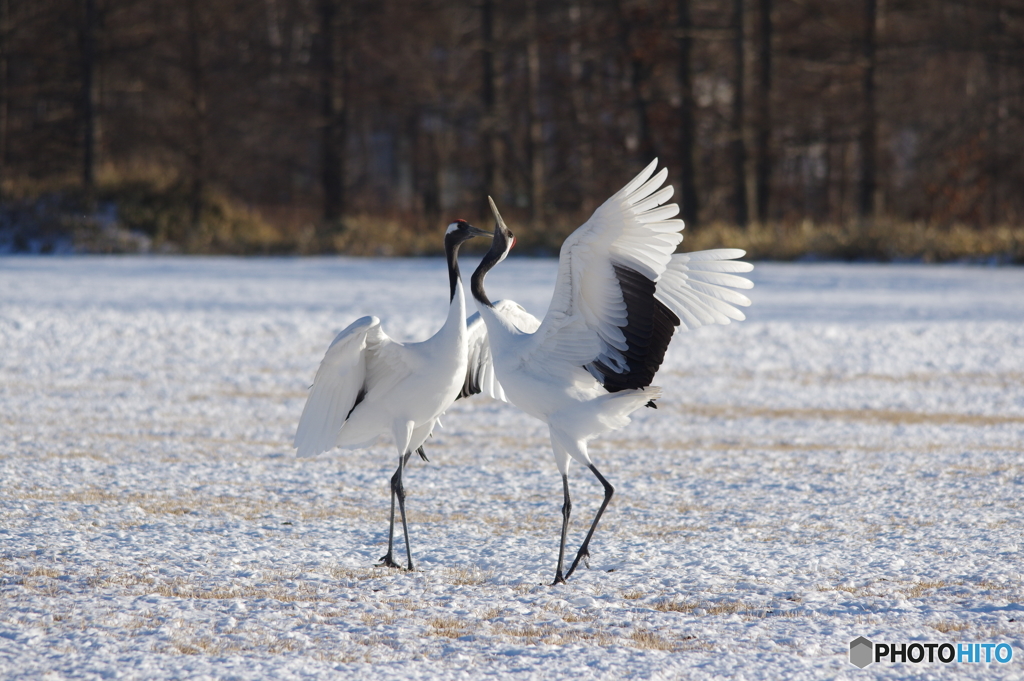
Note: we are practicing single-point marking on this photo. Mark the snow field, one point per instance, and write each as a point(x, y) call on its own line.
point(847, 462)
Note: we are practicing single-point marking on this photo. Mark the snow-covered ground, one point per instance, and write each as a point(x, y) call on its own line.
point(847, 462)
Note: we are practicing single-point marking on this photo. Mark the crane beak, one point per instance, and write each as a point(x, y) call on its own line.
point(476, 231)
point(499, 223)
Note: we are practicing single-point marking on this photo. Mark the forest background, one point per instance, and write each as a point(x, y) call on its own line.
point(852, 129)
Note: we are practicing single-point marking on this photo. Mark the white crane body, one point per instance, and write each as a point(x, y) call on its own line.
point(369, 385)
point(407, 386)
point(619, 295)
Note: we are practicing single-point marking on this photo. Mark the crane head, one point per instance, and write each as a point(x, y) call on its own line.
point(501, 231)
point(460, 231)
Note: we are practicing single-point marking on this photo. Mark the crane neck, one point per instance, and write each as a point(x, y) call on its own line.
point(501, 244)
point(499, 249)
point(451, 251)
point(476, 284)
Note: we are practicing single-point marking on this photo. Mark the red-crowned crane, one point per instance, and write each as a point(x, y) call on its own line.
point(619, 296)
point(369, 385)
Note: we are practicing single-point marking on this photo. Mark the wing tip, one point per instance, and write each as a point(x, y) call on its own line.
point(641, 177)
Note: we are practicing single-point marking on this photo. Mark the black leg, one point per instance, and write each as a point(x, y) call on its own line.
point(584, 551)
point(387, 560)
point(566, 510)
point(400, 493)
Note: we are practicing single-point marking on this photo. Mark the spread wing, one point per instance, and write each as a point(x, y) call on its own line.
point(361, 358)
point(604, 314)
point(480, 376)
point(694, 287)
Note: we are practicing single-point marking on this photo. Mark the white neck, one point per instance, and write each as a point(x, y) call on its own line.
point(455, 324)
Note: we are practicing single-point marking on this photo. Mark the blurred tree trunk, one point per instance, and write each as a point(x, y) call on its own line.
point(274, 41)
point(88, 62)
point(869, 122)
point(5, 87)
point(687, 115)
point(739, 144)
point(433, 180)
point(334, 102)
point(197, 151)
point(861, 108)
point(492, 152)
point(763, 171)
point(487, 97)
point(639, 74)
point(536, 129)
point(581, 116)
point(996, 86)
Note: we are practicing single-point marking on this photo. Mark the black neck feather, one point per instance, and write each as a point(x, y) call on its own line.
point(451, 251)
point(477, 282)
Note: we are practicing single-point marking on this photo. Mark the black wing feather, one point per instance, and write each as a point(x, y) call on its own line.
point(648, 330)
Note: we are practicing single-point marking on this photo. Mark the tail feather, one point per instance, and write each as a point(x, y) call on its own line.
point(620, 408)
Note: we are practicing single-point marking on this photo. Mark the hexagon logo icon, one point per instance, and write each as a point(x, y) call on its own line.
point(861, 652)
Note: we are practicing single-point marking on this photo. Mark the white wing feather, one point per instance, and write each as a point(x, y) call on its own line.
point(694, 285)
point(480, 377)
point(517, 314)
point(631, 229)
point(351, 364)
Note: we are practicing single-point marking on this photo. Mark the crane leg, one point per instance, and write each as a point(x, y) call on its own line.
point(566, 510)
point(387, 560)
point(584, 552)
point(400, 493)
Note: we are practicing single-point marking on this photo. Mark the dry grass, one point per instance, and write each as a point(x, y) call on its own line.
point(123, 580)
point(918, 589)
point(447, 627)
point(43, 571)
point(404, 603)
point(645, 638)
point(187, 503)
point(575, 616)
point(372, 619)
point(357, 574)
point(884, 240)
point(673, 605)
point(156, 201)
point(868, 415)
point(186, 644)
point(947, 626)
point(561, 637)
point(470, 576)
point(885, 588)
point(838, 587)
point(302, 592)
point(706, 608)
point(528, 631)
point(990, 585)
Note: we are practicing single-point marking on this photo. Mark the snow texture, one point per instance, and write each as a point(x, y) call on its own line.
point(846, 462)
